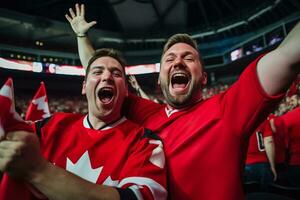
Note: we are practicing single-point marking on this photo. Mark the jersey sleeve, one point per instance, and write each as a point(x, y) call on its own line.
point(145, 172)
point(267, 130)
point(139, 109)
point(246, 103)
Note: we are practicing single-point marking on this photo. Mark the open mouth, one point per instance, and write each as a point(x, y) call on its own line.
point(179, 80)
point(105, 95)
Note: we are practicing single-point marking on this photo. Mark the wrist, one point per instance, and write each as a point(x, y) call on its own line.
point(37, 173)
point(81, 35)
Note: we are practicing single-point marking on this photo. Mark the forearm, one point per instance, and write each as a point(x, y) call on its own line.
point(290, 47)
point(270, 151)
point(279, 68)
point(85, 50)
point(58, 184)
point(143, 94)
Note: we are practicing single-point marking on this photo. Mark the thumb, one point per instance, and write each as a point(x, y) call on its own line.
point(92, 23)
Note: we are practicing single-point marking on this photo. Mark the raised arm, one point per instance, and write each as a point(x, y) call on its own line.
point(80, 26)
point(277, 69)
point(133, 82)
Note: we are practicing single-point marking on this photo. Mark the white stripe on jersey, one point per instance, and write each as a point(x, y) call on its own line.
point(137, 192)
point(157, 190)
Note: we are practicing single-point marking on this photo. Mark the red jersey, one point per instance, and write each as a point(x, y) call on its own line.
point(204, 143)
point(256, 150)
point(291, 123)
point(122, 155)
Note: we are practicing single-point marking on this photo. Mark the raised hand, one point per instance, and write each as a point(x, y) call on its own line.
point(79, 25)
point(132, 80)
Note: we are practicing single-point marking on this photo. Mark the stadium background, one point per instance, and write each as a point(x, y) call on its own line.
point(39, 44)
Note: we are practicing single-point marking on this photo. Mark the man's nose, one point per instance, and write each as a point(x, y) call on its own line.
point(107, 76)
point(179, 63)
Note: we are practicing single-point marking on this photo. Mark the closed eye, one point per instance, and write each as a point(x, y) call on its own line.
point(117, 73)
point(169, 59)
point(97, 72)
point(189, 58)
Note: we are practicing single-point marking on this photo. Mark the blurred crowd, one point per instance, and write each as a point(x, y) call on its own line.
point(71, 104)
point(78, 104)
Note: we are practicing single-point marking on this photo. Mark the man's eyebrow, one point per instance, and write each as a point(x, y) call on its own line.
point(116, 68)
point(97, 67)
point(183, 53)
point(169, 54)
point(188, 53)
point(102, 68)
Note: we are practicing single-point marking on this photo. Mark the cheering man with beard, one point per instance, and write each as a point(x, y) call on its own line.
point(205, 140)
point(103, 147)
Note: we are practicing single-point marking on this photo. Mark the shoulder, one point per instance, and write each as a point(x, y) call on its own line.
point(140, 131)
point(66, 116)
point(57, 119)
point(134, 105)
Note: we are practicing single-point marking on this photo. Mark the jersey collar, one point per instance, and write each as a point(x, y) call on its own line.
point(86, 123)
point(169, 111)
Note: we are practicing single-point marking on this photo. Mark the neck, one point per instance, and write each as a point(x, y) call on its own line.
point(98, 123)
point(186, 105)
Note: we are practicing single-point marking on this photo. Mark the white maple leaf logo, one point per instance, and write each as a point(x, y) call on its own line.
point(157, 157)
point(83, 168)
point(111, 182)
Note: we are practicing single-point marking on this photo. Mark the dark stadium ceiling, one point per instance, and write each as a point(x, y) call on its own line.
point(131, 22)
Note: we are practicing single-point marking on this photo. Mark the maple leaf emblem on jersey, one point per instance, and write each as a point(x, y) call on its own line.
point(83, 168)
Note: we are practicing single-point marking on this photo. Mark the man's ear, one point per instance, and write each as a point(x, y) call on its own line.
point(158, 80)
point(83, 91)
point(204, 78)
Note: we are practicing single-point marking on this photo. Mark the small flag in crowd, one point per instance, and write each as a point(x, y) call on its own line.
point(38, 108)
point(10, 120)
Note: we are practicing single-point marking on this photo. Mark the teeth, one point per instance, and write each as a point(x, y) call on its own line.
point(106, 89)
point(179, 75)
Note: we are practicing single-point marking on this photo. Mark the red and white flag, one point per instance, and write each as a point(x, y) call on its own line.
point(38, 108)
point(10, 120)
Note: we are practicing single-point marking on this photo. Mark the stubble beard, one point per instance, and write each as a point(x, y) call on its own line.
point(181, 101)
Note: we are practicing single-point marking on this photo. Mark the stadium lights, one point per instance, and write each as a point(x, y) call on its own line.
point(38, 43)
point(106, 39)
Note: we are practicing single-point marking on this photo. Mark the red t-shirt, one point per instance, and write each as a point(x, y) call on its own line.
point(122, 155)
point(291, 123)
point(204, 143)
point(256, 150)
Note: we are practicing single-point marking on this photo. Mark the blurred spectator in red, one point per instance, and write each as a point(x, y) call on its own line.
point(260, 163)
point(290, 125)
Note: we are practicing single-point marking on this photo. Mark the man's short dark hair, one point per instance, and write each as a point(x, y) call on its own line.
point(181, 38)
point(106, 52)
